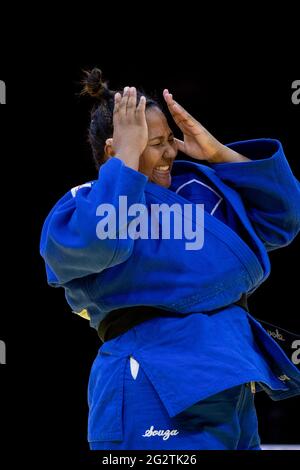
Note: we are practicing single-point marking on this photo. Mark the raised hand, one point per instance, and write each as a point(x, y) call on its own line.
point(198, 142)
point(130, 127)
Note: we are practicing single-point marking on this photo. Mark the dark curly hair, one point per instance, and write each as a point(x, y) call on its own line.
point(101, 124)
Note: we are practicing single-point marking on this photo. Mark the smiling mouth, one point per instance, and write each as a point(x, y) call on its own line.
point(162, 168)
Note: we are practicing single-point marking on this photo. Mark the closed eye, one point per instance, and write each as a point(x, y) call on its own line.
point(171, 140)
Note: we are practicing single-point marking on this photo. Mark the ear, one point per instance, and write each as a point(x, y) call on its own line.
point(108, 149)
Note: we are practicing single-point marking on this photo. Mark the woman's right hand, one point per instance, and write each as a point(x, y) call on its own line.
point(130, 135)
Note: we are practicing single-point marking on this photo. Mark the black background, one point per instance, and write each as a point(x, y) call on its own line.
point(43, 145)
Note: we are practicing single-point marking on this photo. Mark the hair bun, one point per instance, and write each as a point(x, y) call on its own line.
point(95, 86)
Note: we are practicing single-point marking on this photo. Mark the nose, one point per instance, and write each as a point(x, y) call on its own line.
point(170, 152)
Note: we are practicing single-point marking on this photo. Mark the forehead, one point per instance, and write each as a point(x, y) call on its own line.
point(156, 122)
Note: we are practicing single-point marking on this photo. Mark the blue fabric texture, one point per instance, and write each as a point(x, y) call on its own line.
point(251, 208)
point(225, 421)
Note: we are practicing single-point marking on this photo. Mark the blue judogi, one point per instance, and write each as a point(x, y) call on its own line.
point(251, 208)
point(226, 420)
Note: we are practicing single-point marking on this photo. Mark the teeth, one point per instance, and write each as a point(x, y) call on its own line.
point(166, 167)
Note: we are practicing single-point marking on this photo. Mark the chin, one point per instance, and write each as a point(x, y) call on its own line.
point(161, 183)
point(165, 181)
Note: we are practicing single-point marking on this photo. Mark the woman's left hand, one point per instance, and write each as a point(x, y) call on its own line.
point(198, 143)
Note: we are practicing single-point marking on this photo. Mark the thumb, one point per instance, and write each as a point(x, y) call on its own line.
point(180, 145)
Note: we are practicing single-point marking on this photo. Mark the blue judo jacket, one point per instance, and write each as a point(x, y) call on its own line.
point(251, 208)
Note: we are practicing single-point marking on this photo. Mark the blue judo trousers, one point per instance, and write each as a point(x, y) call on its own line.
point(226, 420)
point(182, 382)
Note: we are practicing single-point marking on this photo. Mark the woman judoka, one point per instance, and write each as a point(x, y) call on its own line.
point(181, 357)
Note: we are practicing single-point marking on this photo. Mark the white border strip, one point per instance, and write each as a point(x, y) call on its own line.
point(279, 447)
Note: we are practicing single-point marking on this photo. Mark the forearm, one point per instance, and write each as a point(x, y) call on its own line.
point(81, 235)
point(268, 188)
point(227, 155)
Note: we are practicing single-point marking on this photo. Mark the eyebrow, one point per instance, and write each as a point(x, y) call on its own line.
point(161, 136)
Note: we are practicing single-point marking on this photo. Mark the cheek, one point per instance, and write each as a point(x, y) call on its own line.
point(149, 159)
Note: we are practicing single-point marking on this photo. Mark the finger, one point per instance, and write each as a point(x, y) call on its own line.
point(117, 102)
point(131, 104)
point(182, 118)
point(177, 111)
point(141, 107)
point(180, 145)
point(173, 106)
point(124, 100)
point(169, 99)
point(167, 96)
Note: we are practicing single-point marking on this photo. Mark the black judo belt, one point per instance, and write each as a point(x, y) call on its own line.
point(121, 320)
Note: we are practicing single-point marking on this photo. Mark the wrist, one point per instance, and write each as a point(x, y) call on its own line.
point(226, 155)
point(129, 158)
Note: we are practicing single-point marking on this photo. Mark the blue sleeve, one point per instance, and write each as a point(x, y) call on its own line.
point(270, 191)
point(69, 242)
